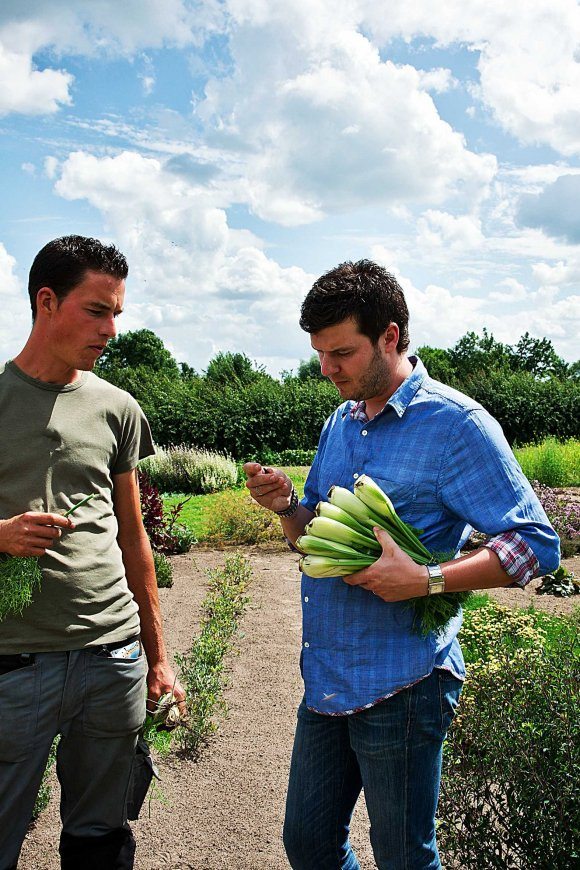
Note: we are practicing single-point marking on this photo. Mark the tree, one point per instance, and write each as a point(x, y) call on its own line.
point(475, 355)
point(438, 363)
point(537, 356)
point(233, 369)
point(309, 369)
point(139, 348)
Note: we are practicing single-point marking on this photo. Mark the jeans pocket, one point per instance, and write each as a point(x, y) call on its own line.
point(449, 692)
point(115, 696)
point(19, 699)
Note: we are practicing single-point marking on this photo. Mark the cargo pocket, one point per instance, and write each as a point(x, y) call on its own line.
point(115, 696)
point(19, 712)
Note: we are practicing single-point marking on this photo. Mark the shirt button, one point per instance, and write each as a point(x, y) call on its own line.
point(306, 599)
point(306, 644)
point(364, 432)
point(355, 475)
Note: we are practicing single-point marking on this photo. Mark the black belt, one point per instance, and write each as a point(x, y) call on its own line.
point(13, 662)
point(103, 649)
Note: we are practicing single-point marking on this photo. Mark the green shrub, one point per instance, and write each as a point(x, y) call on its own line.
point(237, 519)
point(510, 794)
point(288, 457)
point(552, 463)
point(163, 570)
point(185, 469)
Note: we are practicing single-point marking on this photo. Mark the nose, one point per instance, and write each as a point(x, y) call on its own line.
point(327, 367)
point(109, 327)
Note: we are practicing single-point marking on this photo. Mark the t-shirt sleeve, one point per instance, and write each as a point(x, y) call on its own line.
point(135, 440)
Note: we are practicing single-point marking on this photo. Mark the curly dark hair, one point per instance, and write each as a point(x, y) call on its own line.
point(62, 263)
point(362, 290)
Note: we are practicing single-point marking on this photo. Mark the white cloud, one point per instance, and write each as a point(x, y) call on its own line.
point(200, 285)
point(514, 292)
point(440, 229)
point(16, 318)
point(324, 124)
point(9, 284)
point(85, 27)
point(439, 317)
point(30, 91)
point(528, 58)
point(561, 274)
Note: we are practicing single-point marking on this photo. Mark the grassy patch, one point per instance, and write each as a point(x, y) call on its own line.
point(202, 513)
point(553, 462)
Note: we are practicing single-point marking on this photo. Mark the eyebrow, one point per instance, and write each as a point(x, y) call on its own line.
point(104, 307)
point(334, 349)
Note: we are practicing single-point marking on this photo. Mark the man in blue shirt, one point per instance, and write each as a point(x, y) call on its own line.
point(379, 697)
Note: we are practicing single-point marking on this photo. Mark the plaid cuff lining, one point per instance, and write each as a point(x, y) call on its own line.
point(516, 557)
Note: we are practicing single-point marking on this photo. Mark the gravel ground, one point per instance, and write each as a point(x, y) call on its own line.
point(226, 809)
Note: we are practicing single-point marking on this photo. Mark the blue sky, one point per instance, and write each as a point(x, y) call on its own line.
point(235, 150)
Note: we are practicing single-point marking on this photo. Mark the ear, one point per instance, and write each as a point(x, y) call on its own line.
point(390, 338)
point(46, 302)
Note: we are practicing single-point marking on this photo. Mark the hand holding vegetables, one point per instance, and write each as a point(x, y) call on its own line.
point(22, 540)
point(359, 537)
point(31, 533)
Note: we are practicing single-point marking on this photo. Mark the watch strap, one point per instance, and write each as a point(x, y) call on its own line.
point(292, 508)
point(436, 580)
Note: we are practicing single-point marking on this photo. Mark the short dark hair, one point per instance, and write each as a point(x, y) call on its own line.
point(62, 264)
point(362, 290)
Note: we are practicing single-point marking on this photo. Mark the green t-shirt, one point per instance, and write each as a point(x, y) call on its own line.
point(58, 444)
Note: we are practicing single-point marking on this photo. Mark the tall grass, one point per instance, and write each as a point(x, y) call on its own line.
point(553, 462)
point(188, 470)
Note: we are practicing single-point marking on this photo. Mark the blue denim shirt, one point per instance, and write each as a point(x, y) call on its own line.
point(445, 464)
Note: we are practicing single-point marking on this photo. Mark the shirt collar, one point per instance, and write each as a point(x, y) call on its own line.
point(401, 398)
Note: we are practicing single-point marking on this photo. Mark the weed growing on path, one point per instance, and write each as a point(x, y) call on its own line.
point(202, 668)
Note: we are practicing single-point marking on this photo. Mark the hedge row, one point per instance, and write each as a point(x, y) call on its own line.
point(246, 420)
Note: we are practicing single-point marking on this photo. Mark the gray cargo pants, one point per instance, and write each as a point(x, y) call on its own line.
point(97, 704)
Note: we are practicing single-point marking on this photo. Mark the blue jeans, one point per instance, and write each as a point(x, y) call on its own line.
point(393, 751)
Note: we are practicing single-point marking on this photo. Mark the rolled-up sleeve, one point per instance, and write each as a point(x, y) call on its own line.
point(516, 558)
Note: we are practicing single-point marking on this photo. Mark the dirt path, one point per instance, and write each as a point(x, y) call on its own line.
point(225, 811)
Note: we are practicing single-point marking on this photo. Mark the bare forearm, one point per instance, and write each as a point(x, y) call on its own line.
point(294, 526)
point(140, 571)
point(478, 570)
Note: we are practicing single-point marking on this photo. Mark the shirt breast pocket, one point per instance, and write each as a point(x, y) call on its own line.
point(411, 501)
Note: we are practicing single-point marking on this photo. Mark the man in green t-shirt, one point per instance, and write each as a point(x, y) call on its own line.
point(72, 663)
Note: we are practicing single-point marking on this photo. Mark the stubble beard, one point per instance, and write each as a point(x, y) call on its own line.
point(375, 380)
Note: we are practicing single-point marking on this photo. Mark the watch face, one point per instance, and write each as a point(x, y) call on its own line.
point(436, 586)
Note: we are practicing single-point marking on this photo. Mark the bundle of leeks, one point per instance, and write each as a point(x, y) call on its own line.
point(340, 541)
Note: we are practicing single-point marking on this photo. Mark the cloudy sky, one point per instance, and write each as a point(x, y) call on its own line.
point(237, 149)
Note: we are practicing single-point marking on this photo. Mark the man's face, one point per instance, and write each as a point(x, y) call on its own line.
point(81, 324)
point(358, 368)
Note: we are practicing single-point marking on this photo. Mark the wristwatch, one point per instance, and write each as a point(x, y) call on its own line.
point(292, 508)
point(436, 580)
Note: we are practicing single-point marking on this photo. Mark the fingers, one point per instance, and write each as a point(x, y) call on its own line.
point(48, 520)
